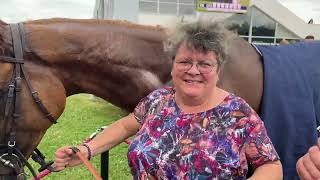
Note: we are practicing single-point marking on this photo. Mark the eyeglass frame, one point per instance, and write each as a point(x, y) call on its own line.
point(192, 63)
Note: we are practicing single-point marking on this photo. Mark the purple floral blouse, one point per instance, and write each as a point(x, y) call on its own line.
point(215, 144)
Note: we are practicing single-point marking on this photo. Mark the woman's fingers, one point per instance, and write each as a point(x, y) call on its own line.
point(301, 169)
point(63, 157)
point(311, 166)
point(308, 166)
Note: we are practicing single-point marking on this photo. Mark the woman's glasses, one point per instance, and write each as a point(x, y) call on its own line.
point(203, 67)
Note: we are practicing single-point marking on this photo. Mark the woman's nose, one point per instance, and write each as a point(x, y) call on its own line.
point(194, 69)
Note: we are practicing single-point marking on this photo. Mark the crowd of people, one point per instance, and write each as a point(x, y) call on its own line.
point(308, 38)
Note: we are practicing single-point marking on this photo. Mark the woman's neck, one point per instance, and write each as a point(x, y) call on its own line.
point(199, 104)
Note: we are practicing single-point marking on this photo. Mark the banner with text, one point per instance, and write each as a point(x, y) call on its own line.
point(236, 6)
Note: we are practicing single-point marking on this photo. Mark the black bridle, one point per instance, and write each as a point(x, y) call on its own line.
point(10, 155)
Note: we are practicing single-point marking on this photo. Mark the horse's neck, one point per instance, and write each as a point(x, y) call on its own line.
point(109, 61)
point(243, 73)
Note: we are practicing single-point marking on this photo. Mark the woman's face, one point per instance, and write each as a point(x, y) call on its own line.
point(194, 74)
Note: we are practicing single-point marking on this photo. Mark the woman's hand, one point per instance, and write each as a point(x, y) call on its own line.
point(308, 166)
point(107, 139)
point(65, 157)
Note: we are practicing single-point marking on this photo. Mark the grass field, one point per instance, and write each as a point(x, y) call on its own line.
point(80, 119)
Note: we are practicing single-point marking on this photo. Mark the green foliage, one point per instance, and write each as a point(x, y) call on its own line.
point(80, 119)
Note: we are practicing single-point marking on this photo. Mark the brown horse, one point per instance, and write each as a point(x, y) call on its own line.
point(115, 60)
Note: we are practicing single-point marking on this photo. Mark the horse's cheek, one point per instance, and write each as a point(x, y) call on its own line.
point(52, 95)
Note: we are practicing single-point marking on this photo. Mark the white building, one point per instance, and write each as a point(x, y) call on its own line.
point(267, 21)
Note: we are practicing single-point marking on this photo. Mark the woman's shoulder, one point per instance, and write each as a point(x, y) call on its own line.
point(236, 103)
point(152, 103)
point(231, 98)
point(161, 92)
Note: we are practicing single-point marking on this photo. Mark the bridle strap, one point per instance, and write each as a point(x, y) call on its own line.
point(34, 93)
point(10, 60)
point(22, 33)
point(18, 53)
point(17, 42)
point(36, 98)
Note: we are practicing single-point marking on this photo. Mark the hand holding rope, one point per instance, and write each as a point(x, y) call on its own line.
point(83, 159)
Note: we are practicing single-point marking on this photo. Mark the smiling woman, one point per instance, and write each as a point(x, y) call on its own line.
point(193, 130)
point(20, 10)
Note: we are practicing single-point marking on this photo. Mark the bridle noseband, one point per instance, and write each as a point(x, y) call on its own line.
point(10, 155)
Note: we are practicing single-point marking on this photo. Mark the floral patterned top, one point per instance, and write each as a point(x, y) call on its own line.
point(215, 144)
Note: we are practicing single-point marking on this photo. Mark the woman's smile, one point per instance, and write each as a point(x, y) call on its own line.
point(191, 81)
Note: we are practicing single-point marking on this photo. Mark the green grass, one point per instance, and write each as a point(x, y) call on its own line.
point(80, 119)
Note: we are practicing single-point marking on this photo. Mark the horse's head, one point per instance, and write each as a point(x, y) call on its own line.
point(111, 59)
point(5, 68)
point(22, 122)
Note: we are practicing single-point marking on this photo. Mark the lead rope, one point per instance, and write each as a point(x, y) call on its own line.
point(86, 163)
point(84, 160)
point(49, 169)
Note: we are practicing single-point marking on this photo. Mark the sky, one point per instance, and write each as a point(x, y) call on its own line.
point(305, 9)
point(21, 10)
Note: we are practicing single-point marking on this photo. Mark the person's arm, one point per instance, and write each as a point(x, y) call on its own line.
point(260, 152)
point(107, 139)
point(269, 171)
point(308, 166)
point(114, 134)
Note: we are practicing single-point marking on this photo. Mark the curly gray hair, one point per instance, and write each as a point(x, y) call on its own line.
point(202, 36)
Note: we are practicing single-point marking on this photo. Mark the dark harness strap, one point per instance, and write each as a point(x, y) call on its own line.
point(10, 60)
point(36, 98)
point(18, 53)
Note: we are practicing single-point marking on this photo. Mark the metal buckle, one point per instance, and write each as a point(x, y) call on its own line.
point(11, 144)
point(35, 93)
point(6, 162)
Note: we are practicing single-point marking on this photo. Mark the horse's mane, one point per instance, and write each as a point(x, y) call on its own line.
point(97, 21)
point(2, 23)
